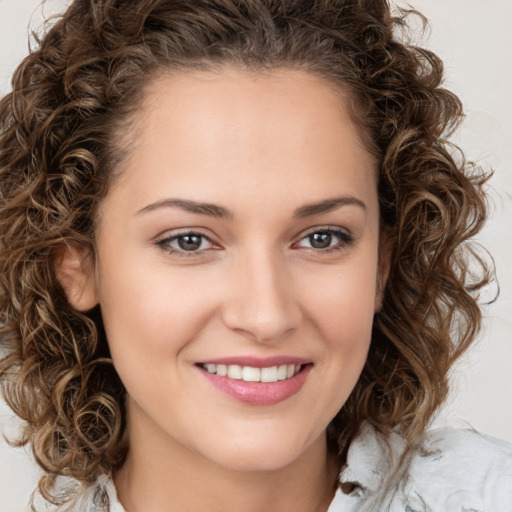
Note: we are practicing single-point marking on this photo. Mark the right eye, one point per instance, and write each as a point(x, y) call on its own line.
point(183, 243)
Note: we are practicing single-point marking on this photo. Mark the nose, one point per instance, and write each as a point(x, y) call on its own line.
point(262, 303)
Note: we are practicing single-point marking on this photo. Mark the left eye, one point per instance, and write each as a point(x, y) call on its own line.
point(186, 242)
point(325, 239)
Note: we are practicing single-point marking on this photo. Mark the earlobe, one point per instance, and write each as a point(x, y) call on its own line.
point(75, 273)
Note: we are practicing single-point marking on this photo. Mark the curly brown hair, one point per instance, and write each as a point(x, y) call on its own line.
point(61, 142)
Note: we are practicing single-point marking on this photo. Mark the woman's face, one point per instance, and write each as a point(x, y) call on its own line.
point(241, 238)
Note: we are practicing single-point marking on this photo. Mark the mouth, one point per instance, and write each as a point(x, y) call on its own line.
point(257, 382)
point(266, 374)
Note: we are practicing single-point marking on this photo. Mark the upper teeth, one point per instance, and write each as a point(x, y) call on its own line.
point(251, 374)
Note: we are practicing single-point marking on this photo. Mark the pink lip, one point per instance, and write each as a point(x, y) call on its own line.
point(258, 393)
point(258, 362)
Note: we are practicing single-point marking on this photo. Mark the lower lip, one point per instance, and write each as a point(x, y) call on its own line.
point(259, 393)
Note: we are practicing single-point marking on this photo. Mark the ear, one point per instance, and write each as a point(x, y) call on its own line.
point(75, 272)
point(385, 249)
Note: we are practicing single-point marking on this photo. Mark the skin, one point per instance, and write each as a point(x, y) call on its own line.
point(261, 147)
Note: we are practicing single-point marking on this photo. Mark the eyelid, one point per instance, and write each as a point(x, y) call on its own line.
point(164, 240)
point(345, 235)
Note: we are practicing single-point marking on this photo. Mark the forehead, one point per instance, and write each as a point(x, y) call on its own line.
point(281, 101)
point(203, 134)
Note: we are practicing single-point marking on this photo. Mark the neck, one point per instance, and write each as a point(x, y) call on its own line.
point(162, 475)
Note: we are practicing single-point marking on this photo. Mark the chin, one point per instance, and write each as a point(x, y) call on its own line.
point(256, 462)
point(260, 454)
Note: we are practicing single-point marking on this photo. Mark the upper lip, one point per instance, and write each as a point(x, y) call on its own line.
point(257, 362)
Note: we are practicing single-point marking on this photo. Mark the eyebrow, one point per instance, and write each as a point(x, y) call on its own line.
point(213, 210)
point(328, 205)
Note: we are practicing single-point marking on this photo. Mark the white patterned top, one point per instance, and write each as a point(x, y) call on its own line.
point(448, 471)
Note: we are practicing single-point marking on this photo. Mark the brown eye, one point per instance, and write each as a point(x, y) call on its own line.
point(325, 240)
point(320, 240)
point(183, 243)
point(190, 242)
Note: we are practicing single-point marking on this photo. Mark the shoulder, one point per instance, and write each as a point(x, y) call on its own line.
point(100, 496)
point(446, 470)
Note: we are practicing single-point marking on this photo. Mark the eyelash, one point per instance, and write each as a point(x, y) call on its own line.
point(165, 243)
point(345, 239)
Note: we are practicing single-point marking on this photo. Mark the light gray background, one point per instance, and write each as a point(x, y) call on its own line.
point(475, 41)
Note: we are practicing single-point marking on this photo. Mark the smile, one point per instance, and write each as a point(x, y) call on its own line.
point(257, 382)
point(253, 374)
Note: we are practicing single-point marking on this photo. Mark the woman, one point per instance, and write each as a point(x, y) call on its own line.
point(234, 267)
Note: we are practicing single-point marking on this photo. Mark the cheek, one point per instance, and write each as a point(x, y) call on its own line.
point(153, 314)
point(341, 309)
point(342, 305)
